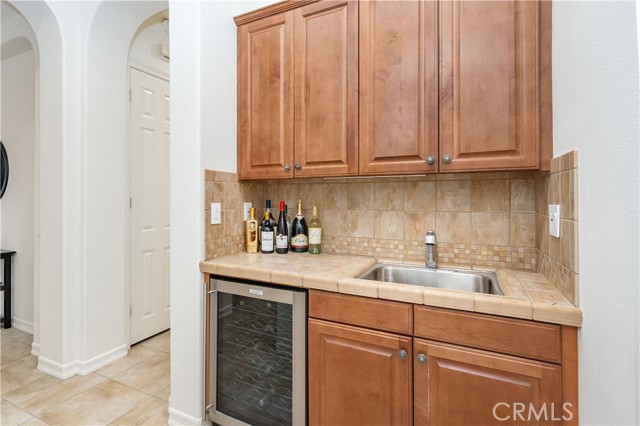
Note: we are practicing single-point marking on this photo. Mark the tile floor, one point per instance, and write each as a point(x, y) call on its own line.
point(132, 391)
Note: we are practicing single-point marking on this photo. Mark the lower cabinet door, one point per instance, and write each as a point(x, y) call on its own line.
point(454, 385)
point(358, 376)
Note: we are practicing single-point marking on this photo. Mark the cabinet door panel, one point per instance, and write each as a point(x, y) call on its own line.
point(489, 84)
point(398, 86)
point(326, 103)
point(356, 376)
point(460, 386)
point(265, 97)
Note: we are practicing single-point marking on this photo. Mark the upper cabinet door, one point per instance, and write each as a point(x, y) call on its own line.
point(326, 89)
point(265, 98)
point(489, 85)
point(398, 86)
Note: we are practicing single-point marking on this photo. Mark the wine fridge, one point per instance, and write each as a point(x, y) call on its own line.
point(256, 354)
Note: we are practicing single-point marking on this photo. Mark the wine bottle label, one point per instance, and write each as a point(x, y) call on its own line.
point(315, 235)
point(267, 241)
point(299, 241)
point(281, 241)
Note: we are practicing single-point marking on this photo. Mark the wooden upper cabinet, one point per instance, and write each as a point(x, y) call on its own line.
point(265, 97)
point(358, 376)
point(460, 386)
point(326, 89)
point(489, 85)
point(398, 86)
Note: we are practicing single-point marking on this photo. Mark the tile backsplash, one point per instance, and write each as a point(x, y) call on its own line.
point(480, 219)
point(558, 257)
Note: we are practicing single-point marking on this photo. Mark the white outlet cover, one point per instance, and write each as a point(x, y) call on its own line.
point(216, 213)
point(554, 220)
point(247, 206)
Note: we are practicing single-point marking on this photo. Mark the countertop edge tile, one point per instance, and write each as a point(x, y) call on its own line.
point(557, 314)
point(452, 299)
point(401, 292)
point(504, 306)
point(358, 287)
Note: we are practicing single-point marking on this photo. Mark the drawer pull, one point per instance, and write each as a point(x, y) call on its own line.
point(422, 358)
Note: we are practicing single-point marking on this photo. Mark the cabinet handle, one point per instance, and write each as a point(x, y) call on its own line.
point(402, 354)
point(430, 160)
point(446, 159)
point(422, 358)
point(287, 167)
point(298, 166)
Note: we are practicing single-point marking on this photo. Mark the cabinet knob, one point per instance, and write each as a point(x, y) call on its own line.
point(402, 354)
point(422, 358)
point(298, 166)
point(446, 159)
point(430, 160)
point(287, 167)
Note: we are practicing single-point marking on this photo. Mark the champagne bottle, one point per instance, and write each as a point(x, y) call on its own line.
point(288, 219)
point(251, 231)
point(282, 245)
point(315, 233)
point(267, 235)
point(299, 232)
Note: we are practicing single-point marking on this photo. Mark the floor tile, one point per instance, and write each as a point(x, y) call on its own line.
point(149, 376)
point(18, 373)
point(13, 350)
point(48, 391)
point(163, 394)
point(158, 343)
point(13, 333)
point(153, 411)
point(97, 406)
point(28, 340)
point(136, 355)
point(33, 422)
point(12, 415)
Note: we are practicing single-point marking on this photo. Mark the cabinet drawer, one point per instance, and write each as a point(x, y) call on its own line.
point(509, 336)
point(378, 314)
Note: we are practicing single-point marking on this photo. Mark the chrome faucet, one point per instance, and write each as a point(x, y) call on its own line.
point(430, 244)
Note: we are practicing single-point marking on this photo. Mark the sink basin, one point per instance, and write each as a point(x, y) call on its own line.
point(453, 279)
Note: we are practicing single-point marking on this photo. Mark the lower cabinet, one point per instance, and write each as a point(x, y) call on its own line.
point(358, 376)
point(362, 375)
point(454, 385)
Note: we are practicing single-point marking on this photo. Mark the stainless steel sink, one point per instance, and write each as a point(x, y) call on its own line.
point(474, 281)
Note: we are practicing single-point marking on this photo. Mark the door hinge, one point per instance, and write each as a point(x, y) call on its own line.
point(130, 202)
point(130, 310)
point(130, 95)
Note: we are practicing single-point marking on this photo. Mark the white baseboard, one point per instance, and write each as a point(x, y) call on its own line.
point(101, 360)
point(178, 418)
point(35, 349)
point(22, 325)
point(81, 367)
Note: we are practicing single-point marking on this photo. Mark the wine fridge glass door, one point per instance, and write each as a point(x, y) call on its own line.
point(260, 363)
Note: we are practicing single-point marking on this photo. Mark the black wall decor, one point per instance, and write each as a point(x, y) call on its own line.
point(4, 169)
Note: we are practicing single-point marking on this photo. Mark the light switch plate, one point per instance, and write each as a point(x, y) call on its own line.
point(554, 220)
point(247, 206)
point(216, 213)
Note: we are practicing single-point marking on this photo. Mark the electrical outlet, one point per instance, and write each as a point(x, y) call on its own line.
point(247, 206)
point(554, 220)
point(216, 213)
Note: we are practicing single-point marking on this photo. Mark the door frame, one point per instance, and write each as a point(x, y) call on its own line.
point(126, 205)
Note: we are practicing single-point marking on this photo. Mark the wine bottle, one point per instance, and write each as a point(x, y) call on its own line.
point(267, 235)
point(282, 246)
point(315, 233)
point(299, 232)
point(251, 231)
point(288, 219)
point(273, 222)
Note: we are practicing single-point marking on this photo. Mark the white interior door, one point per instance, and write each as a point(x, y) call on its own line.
point(149, 205)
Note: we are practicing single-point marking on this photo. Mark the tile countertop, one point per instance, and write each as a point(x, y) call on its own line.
point(527, 295)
